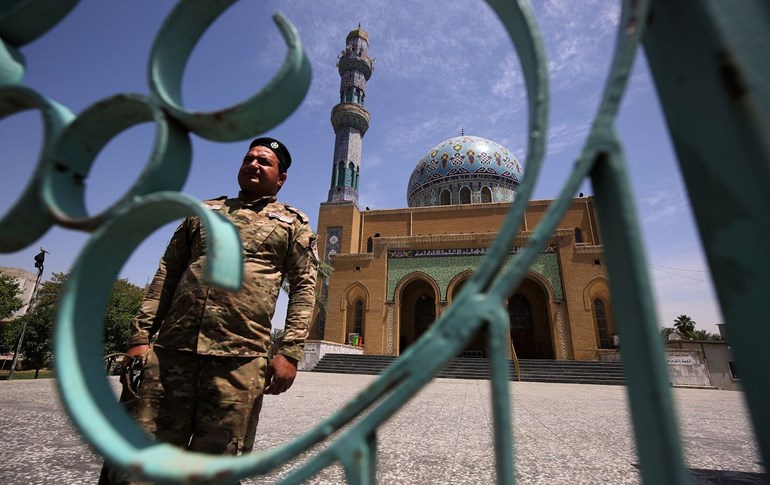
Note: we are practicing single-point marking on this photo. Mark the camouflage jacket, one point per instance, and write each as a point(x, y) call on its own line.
point(189, 316)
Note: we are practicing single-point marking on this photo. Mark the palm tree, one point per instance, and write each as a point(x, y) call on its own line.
point(666, 331)
point(685, 326)
point(700, 334)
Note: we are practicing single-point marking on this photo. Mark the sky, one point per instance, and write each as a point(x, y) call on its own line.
point(441, 68)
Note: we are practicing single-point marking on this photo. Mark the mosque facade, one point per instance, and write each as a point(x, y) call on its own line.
point(395, 271)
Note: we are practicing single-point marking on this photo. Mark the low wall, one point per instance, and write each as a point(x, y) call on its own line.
point(315, 350)
point(686, 368)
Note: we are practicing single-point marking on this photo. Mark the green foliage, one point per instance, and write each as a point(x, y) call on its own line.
point(125, 301)
point(700, 334)
point(38, 337)
point(685, 326)
point(9, 334)
point(276, 339)
point(666, 331)
point(10, 291)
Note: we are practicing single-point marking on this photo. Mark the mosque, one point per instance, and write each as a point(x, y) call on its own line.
point(397, 270)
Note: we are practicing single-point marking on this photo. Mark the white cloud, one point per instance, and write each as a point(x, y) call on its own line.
point(663, 206)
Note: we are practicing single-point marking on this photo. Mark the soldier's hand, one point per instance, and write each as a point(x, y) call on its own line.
point(280, 374)
point(132, 353)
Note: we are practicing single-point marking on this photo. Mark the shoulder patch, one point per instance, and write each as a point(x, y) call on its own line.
point(300, 215)
point(281, 217)
point(215, 204)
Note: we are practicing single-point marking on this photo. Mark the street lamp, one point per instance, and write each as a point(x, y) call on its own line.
point(39, 263)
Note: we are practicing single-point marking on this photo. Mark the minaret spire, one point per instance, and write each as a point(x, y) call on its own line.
point(349, 118)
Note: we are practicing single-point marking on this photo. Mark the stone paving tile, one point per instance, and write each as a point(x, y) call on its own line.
point(563, 433)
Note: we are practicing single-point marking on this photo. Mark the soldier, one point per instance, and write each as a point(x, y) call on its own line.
point(205, 375)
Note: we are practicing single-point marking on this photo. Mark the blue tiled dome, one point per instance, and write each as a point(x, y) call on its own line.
point(466, 169)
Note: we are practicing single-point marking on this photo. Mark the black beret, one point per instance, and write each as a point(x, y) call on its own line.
point(280, 150)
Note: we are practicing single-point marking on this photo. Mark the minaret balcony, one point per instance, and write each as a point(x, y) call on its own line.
point(351, 62)
point(350, 115)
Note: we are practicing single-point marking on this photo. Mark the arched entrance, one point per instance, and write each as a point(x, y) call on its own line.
point(417, 311)
point(477, 346)
point(530, 322)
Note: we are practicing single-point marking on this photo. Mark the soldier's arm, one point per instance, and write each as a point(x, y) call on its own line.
point(160, 293)
point(301, 271)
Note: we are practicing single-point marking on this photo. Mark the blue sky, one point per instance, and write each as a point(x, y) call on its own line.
point(441, 67)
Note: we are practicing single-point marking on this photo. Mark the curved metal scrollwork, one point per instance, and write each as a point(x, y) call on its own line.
point(54, 195)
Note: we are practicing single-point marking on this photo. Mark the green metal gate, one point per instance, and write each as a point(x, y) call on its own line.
point(709, 61)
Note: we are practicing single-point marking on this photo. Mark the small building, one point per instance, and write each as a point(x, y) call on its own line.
point(26, 281)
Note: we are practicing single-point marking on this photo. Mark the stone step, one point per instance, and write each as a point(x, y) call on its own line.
point(579, 372)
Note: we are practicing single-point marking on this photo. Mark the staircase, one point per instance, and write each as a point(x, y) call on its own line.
point(532, 370)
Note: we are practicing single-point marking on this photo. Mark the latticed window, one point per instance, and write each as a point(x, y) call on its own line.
point(358, 317)
point(486, 195)
point(601, 324)
point(465, 195)
point(446, 198)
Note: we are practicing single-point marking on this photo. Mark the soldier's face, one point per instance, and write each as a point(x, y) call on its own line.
point(259, 174)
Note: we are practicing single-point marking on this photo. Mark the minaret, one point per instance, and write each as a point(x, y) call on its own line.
point(349, 118)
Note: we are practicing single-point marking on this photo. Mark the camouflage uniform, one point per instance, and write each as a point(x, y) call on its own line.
point(203, 379)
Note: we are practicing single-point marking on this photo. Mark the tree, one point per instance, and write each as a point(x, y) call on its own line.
point(666, 331)
point(701, 334)
point(125, 301)
point(38, 339)
point(10, 302)
point(685, 326)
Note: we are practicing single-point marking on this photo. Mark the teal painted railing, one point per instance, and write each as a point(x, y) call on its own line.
point(709, 62)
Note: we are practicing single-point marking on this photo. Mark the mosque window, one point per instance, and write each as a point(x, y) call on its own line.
point(486, 195)
point(601, 324)
point(446, 198)
point(340, 173)
point(358, 317)
point(465, 195)
point(369, 245)
point(578, 235)
point(349, 173)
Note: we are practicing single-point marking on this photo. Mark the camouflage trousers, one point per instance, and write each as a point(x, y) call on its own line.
point(204, 404)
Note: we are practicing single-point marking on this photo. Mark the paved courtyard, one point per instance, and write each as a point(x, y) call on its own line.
point(564, 433)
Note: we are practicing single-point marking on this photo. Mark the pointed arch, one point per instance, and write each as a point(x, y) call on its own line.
point(486, 195)
point(465, 195)
point(597, 287)
point(418, 305)
point(456, 283)
point(540, 280)
point(355, 306)
point(597, 300)
point(415, 276)
point(353, 291)
point(446, 197)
